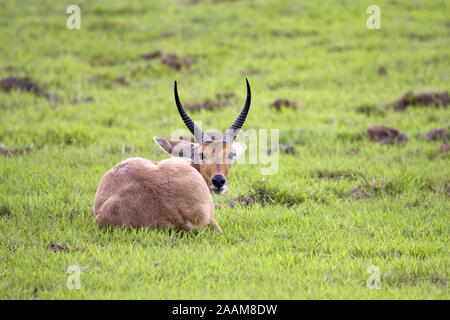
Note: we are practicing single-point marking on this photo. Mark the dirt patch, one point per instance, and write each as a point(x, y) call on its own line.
point(444, 148)
point(177, 63)
point(382, 70)
point(14, 152)
point(58, 247)
point(151, 55)
point(356, 194)
point(205, 105)
point(386, 135)
point(245, 200)
point(369, 110)
point(288, 149)
point(188, 61)
point(122, 81)
point(23, 84)
point(333, 174)
point(14, 245)
point(266, 197)
point(434, 99)
point(261, 196)
point(437, 134)
point(4, 211)
point(416, 36)
point(282, 102)
point(447, 191)
point(285, 148)
point(376, 187)
point(222, 100)
point(172, 60)
point(225, 96)
point(392, 253)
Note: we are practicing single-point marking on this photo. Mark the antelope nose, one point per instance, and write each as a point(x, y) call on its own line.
point(218, 180)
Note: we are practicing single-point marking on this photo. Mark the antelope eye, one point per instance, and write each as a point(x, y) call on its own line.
point(231, 156)
point(202, 156)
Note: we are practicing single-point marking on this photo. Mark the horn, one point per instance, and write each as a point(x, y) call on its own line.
point(199, 135)
point(231, 133)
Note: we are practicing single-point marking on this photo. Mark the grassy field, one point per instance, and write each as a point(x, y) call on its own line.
point(338, 205)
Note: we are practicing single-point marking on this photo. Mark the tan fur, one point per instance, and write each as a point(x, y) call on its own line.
point(216, 163)
point(215, 154)
point(142, 193)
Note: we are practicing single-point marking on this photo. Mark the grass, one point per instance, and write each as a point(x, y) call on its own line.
point(307, 238)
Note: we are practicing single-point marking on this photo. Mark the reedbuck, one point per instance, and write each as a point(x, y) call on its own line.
point(175, 192)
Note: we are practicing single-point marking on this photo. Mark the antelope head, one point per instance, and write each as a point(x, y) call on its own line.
point(211, 157)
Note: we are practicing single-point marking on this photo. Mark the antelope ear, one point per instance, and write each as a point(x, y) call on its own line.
point(176, 147)
point(239, 148)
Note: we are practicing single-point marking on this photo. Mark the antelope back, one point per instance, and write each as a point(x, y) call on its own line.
point(142, 193)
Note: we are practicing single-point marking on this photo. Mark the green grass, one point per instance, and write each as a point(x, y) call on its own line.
point(311, 240)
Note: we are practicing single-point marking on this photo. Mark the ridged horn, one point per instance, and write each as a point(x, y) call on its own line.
point(199, 135)
point(231, 133)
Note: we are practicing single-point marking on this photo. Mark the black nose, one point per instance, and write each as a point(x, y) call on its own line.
point(218, 180)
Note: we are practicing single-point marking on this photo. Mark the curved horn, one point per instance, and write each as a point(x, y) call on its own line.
point(199, 135)
point(231, 133)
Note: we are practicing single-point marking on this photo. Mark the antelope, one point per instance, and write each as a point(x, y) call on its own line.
point(174, 192)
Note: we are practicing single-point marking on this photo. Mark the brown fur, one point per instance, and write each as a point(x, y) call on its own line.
point(143, 193)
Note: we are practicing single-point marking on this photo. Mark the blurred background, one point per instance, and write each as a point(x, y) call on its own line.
point(117, 71)
point(363, 118)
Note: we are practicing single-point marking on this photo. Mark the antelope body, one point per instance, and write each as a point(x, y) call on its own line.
point(175, 192)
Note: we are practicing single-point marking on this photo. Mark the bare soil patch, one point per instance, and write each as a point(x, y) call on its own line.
point(434, 99)
point(444, 148)
point(283, 102)
point(23, 84)
point(285, 148)
point(261, 196)
point(437, 134)
point(151, 55)
point(58, 247)
point(386, 135)
point(172, 60)
point(177, 63)
point(14, 152)
point(221, 100)
point(356, 194)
